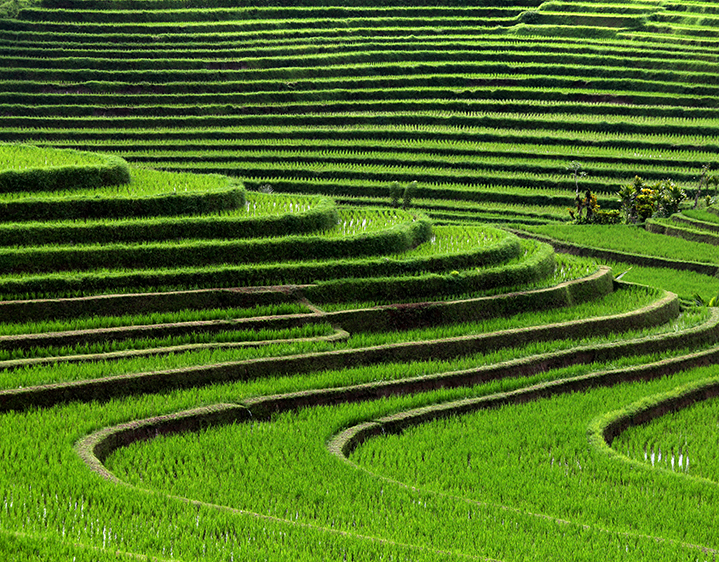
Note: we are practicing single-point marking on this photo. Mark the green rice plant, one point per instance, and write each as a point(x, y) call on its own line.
point(20, 157)
point(43, 374)
point(498, 150)
point(566, 122)
point(118, 349)
point(685, 231)
point(451, 240)
point(483, 106)
point(488, 451)
point(96, 322)
point(445, 159)
point(504, 263)
point(684, 283)
point(631, 240)
point(144, 182)
point(19, 546)
point(301, 48)
point(703, 215)
point(680, 441)
point(207, 519)
point(28, 168)
point(355, 221)
point(614, 303)
point(195, 452)
point(567, 268)
point(514, 178)
point(261, 216)
point(441, 190)
point(365, 238)
point(31, 375)
point(398, 132)
point(683, 220)
point(464, 250)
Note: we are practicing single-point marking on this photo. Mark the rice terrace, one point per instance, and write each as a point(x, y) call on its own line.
point(350, 280)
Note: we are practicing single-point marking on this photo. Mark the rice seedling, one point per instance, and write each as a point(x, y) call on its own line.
point(33, 375)
point(681, 442)
point(631, 240)
point(23, 157)
point(614, 303)
point(119, 349)
point(567, 268)
point(483, 451)
point(95, 322)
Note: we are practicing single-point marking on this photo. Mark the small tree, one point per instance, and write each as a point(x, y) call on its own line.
point(576, 169)
point(395, 193)
point(702, 182)
point(409, 193)
point(580, 202)
point(705, 180)
point(594, 214)
point(627, 197)
point(713, 180)
point(668, 198)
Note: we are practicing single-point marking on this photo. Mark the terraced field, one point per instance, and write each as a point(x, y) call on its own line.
point(220, 384)
point(483, 104)
point(273, 360)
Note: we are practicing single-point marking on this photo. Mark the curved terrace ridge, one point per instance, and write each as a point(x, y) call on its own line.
point(657, 313)
point(94, 448)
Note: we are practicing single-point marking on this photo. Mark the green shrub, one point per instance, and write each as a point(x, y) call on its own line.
point(641, 200)
point(395, 193)
point(409, 193)
point(593, 215)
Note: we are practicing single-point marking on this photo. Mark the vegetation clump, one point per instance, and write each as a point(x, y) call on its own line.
point(592, 212)
point(641, 200)
point(587, 209)
point(406, 194)
point(705, 181)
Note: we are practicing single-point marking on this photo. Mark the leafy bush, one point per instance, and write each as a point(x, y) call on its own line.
point(641, 200)
point(409, 193)
point(395, 193)
point(593, 215)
